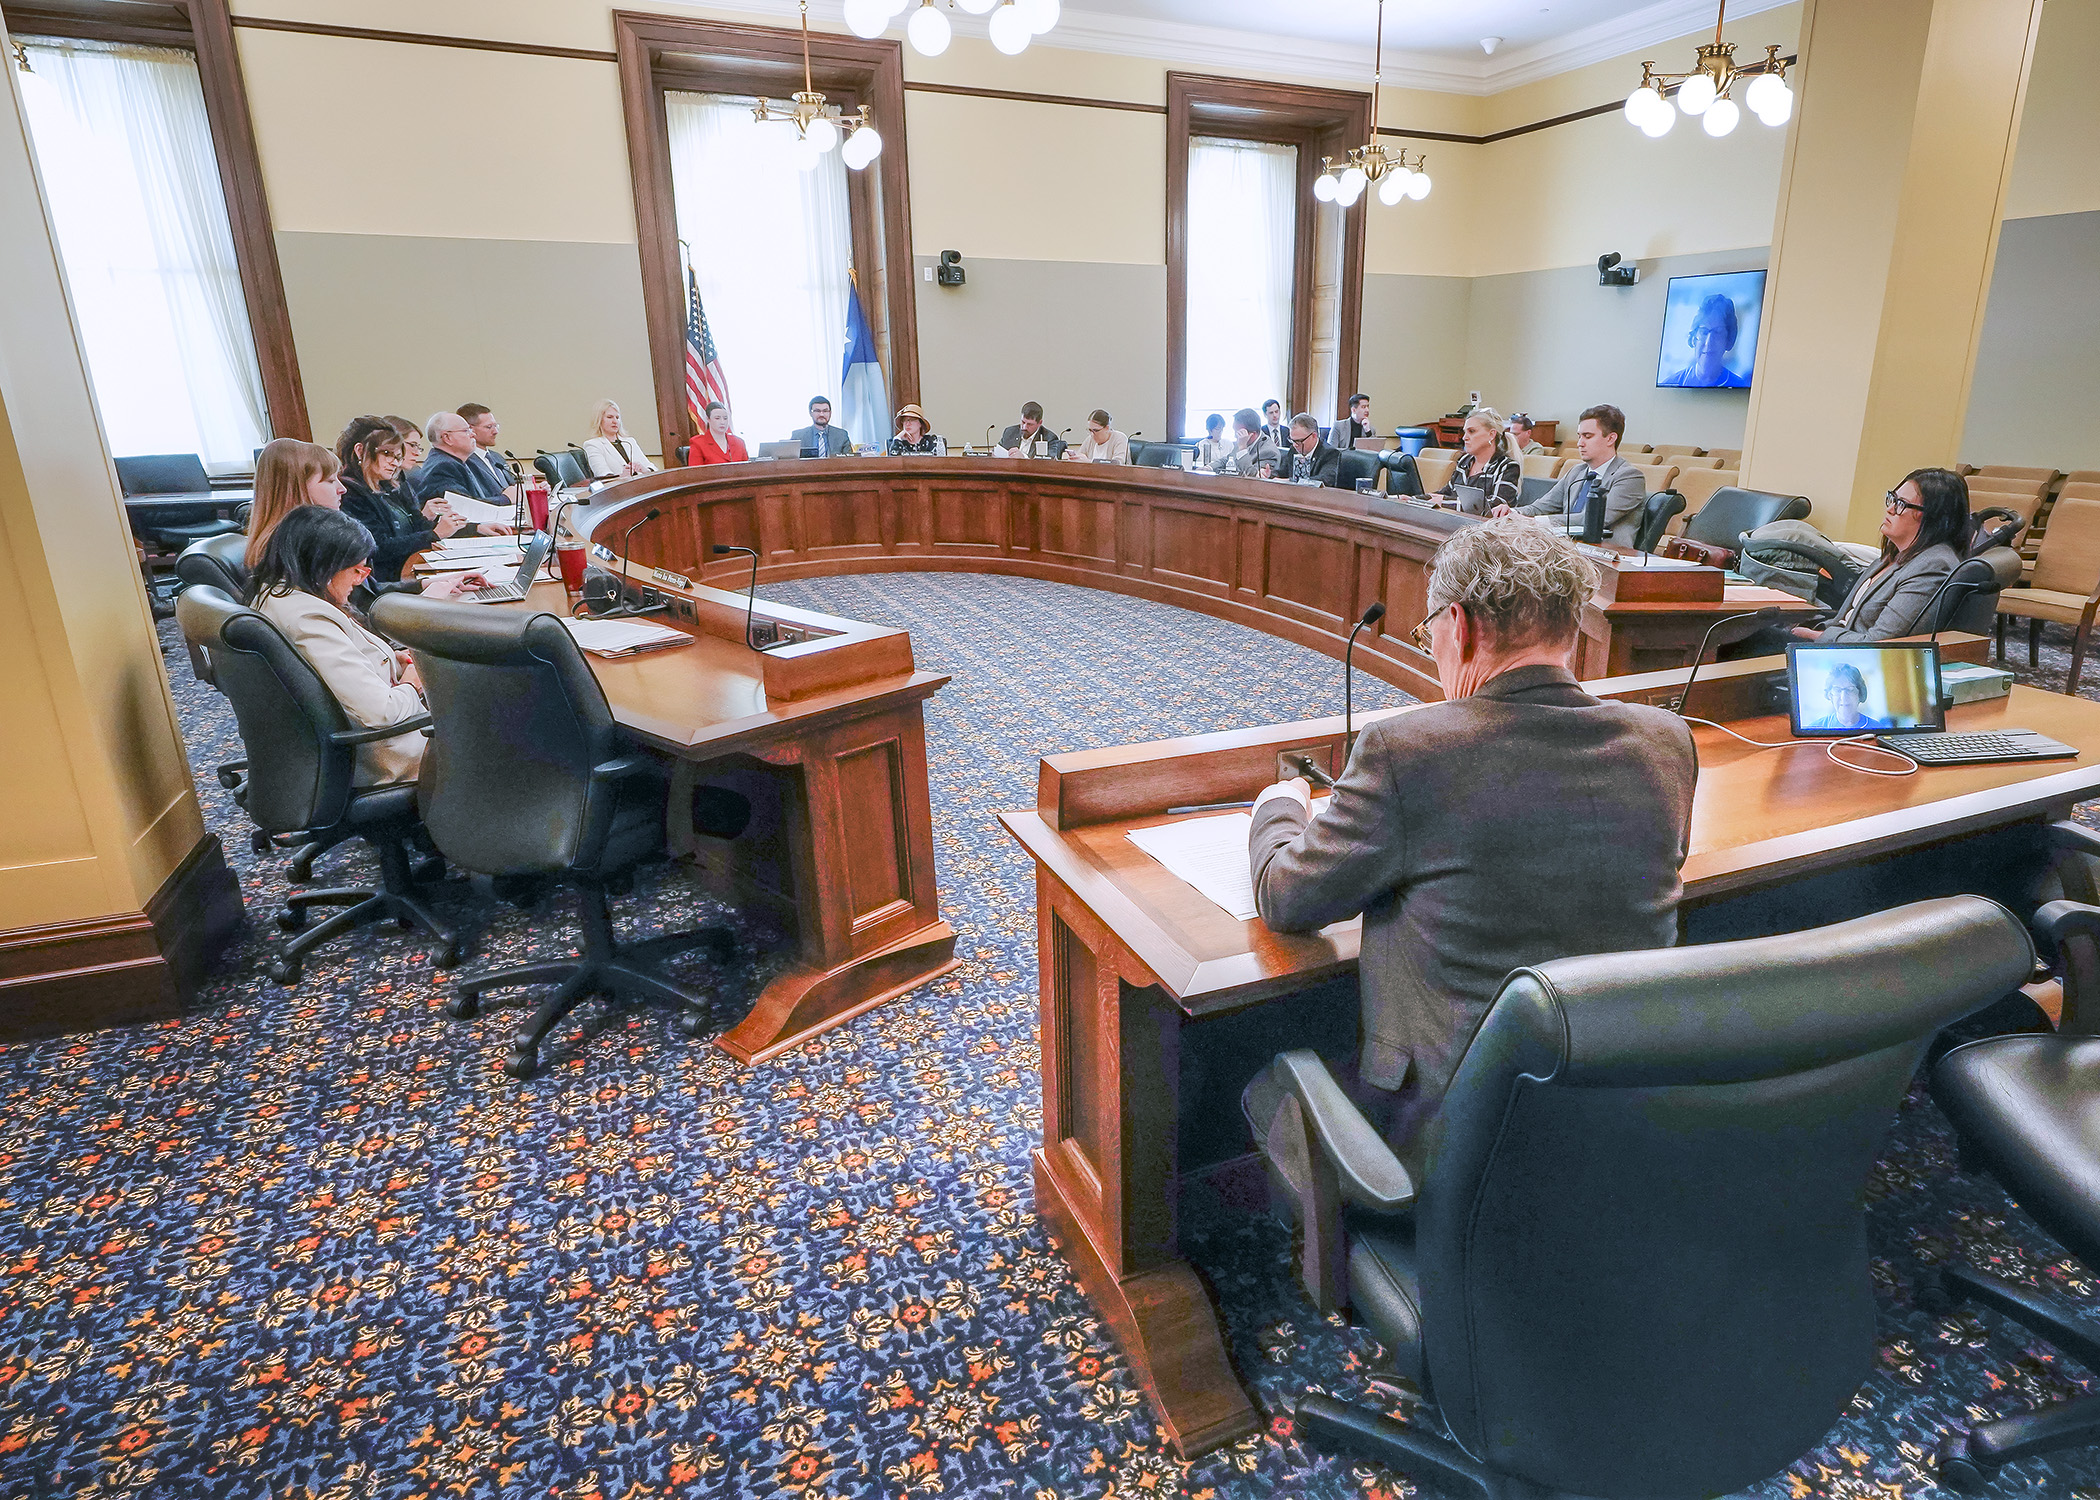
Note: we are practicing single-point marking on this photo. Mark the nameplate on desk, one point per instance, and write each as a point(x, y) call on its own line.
point(669, 579)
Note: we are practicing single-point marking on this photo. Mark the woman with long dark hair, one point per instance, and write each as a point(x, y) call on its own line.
point(314, 558)
point(1925, 533)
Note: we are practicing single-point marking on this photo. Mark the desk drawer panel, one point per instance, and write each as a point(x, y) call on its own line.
point(878, 861)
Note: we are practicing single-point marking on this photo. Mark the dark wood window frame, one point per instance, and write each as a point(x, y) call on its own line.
point(205, 28)
point(661, 53)
point(1319, 122)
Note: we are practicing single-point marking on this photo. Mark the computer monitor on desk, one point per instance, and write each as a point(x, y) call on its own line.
point(789, 449)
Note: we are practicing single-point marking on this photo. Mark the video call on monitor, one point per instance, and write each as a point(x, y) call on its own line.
point(1709, 332)
point(1841, 690)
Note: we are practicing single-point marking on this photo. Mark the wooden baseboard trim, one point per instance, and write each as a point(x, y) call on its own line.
point(124, 969)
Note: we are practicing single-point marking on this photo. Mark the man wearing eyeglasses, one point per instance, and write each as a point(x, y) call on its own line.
point(1519, 821)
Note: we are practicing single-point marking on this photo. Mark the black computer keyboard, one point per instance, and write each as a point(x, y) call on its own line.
point(1976, 749)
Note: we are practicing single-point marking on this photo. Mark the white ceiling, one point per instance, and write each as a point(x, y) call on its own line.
point(1452, 27)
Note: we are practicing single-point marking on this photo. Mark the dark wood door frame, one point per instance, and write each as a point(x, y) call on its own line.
point(205, 27)
point(661, 52)
point(1319, 122)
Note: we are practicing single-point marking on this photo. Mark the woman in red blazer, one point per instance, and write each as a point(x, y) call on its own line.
point(717, 445)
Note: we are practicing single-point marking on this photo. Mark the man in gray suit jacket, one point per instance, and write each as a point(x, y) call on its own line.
point(1599, 469)
point(1029, 435)
point(1520, 820)
point(820, 439)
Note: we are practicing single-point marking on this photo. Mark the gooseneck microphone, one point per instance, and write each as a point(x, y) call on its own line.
point(750, 593)
point(623, 608)
point(1371, 617)
point(520, 514)
point(1768, 613)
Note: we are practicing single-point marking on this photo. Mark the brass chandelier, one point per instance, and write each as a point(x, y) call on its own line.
point(1373, 165)
point(1704, 90)
point(817, 127)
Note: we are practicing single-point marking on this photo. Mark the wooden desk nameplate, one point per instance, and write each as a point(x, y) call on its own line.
point(1130, 958)
point(826, 737)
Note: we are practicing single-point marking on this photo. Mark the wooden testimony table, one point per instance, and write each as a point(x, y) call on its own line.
point(827, 738)
point(1135, 964)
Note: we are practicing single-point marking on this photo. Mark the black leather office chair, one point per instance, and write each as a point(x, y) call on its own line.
point(568, 467)
point(1358, 465)
point(529, 777)
point(1401, 476)
point(1731, 511)
point(219, 562)
point(1655, 517)
point(1969, 598)
point(1637, 1263)
point(1532, 487)
point(171, 474)
point(2026, 1112)
point(302, 756)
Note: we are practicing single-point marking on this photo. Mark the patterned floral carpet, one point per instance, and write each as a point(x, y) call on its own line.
point(313, 1245)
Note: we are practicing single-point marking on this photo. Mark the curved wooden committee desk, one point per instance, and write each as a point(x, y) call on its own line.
point(1302, 564)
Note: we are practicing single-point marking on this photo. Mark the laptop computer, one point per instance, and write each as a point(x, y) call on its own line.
point(528, 571)
point(1892, 692)
point(780, 450)
point(1472, 499)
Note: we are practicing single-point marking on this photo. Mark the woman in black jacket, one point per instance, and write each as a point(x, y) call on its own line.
point(372, 454)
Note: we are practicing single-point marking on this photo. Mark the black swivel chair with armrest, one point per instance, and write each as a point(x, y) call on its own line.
point(1731, 511)
point(174, 528)
point(529, 777)
point(1636, 1263)
point(1656, 515)
point(1401, 476)
point(567, 467)
point(302, 758)
point(1357, 465)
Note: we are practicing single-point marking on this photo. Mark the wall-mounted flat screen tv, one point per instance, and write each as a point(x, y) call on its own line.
point(1709, 337)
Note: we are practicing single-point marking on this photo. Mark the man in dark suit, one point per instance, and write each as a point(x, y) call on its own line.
point(820, 439)
point(1520, 820)
point(455, 467)
point(486, 429)
point(1273, 427)
point(1029, 436)
point(1309, 457)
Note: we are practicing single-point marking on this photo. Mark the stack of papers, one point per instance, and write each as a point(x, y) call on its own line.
point(613, 638)
point(458, 554)
point(480, 511)
point(1209, 854)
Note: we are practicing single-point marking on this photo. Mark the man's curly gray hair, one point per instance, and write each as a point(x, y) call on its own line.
point(1523, 583)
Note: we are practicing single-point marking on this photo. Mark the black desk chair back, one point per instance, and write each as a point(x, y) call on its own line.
point(1731, 511)
point(1662, 506)
point(220, 562)
point(174, 527)
point(529, 775)
point(1357, 465)
point(1638, 1265)
point(567, 467)
point(1969, 598)
point(1401, 476)
point(302, 767)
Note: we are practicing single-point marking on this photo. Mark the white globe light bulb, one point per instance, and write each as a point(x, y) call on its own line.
point(1394, 188)
point(1656, 123)
point(822, 134)
point(1721, 116)
point(1695, 93)
point(805, 155)
point(1348, 196)
point(1010, 31)
point(1353, 181)
point(1325, 187)
point(894, 7)
point(1041, 15)
point(929, 31)
point(1781, 107)
point(1639, 103)
point(864, 146)
point(977, 7)
point(866, 18)
point(1418, 186)
point(1757, 97)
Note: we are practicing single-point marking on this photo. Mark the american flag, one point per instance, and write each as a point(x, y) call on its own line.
point(704, 380)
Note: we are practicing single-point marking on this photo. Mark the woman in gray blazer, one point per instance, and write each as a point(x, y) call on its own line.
point(1925, 530)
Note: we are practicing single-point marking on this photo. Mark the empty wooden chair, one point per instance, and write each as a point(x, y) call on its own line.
point(1435, 466)
point(2082, 476)
point(1542, 465)
point(1687, 461)
point(1731, 458)
point(1673, 451)
point(2066, 584)
point(2008, 471)
point(1659, 476)
point(1698, 486)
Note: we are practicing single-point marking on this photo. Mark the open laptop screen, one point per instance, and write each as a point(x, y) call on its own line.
point(1840, 690)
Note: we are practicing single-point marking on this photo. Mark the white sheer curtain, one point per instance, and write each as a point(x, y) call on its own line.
point(771, 247)
point(1242, 260)
point(125, 151)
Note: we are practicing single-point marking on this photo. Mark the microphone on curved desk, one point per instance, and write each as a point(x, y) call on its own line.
point(1297, 761)
point(623, 610)
point(750, 594)
point(1763, 616)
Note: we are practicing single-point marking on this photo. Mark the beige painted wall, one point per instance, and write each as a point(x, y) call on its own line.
point(100, 806)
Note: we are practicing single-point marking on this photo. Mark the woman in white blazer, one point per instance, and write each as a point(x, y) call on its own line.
point(611, 452)
point(314, 558)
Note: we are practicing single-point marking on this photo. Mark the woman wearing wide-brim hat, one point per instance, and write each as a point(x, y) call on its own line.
point(915, 436)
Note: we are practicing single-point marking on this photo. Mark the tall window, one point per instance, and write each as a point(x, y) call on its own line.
point(1242, 265)
point(125, 151)
point(771, 247)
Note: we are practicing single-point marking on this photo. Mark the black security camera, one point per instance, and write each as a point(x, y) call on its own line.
point(1611, 273)
point(950, 271)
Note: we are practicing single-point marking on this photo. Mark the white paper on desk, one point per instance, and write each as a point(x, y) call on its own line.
point(622, 637)
point(479, 511)
point(1209, 854)
point(481, 562)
